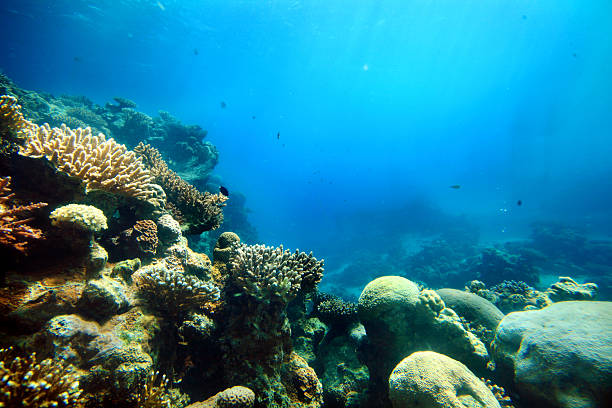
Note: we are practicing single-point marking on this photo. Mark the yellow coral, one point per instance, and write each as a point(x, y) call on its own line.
point(102, 164)
point(83, 217)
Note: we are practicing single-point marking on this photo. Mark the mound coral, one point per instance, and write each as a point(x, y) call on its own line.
point(79, 216)
point(172, 293)
point(26, 383)
point(202, 212)
point(101, 164)
point(14, 231)
point(268, 273)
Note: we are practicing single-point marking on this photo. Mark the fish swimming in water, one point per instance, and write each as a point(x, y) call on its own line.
point(224, 191)
point(278, 136)
point(455, 186)
point(223, 105)
point(519, 203)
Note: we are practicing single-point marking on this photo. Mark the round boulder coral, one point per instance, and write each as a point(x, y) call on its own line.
point(236, 397)
point(426, 379)
point(79, 216)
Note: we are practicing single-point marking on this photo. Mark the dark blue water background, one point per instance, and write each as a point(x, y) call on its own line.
point(380, 105)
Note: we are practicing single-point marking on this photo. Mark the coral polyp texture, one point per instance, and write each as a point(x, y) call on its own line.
point(27, 383)
point(201, 211)
point(173, 293)
point(79, 216)
point(268, 273)
point(11, 118)
point(14, 231)
point(100, 163)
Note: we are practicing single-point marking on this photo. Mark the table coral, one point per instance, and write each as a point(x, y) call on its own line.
point(268, 273)
point(14, 231)
point(202, 212)
point(100, 163)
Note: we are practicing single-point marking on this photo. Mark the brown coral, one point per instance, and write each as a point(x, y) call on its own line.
point(145, 232)
point(11, 118)
point(202, 212)
point(268, 273)
point(101, 164)
point(302, 382)
point(14, 231)
point(26, 383)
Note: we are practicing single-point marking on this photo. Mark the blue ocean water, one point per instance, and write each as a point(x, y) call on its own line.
point(347, 122)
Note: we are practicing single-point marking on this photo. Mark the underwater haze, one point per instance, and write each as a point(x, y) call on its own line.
point(350, 121)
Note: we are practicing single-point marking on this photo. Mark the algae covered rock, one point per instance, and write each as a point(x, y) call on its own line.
point(560, 355)
point(569, 289)
point(103, 298)
point(472, 307)
point(426, 379)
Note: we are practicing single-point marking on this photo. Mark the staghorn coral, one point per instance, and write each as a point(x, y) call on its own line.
point(14, 231)
point(101, 164)
point(268, 273)
point(26, 383)
point(202, 212)
point(172, 293)
point(79, 216)
point(334, 311)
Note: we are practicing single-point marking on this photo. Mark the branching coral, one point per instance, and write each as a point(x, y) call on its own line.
point(26, 383)
point(172, 293)
point(11, 118)
point(268, 273)
point(203, 212)
point(101, 164)
point(14, 231)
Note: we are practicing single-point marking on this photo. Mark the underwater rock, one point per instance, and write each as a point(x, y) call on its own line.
point(103, 298)
point(472, 308)
point(96, 260)
point(427, 379)
point(400, 319)
point(569, 289)
point(125, 269)
point(560, 355)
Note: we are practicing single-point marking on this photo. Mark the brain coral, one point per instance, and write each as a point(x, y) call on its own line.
point(427, 379)
point(236, 397)
point(79, 216)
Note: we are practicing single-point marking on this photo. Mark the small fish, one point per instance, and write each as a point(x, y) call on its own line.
point(77, 59)
point(195, 51)
point(223, 105)
point(278, 136)
point(455, 186)
point(253, 117)
point(574, 55)
point(519, 203)
point(224, 191)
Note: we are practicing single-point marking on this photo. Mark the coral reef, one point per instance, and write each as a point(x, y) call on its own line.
point(432, 380)
point(270, 274)
point(101, 164)
point(234, 397)
point(510, 296)
point(173, 293)
point(569, 289)
point(24, 382)
point(78, 216)
point(200, 212)
point(400, 319)
point(14, 231)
